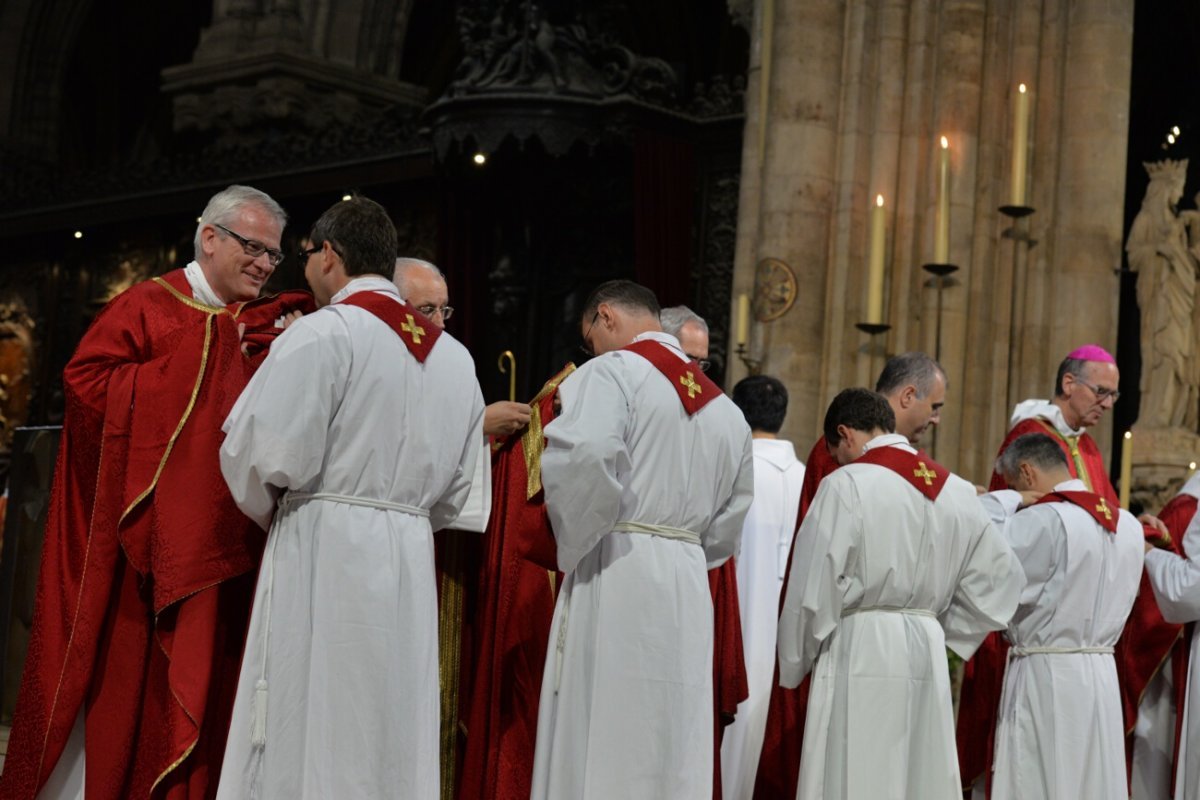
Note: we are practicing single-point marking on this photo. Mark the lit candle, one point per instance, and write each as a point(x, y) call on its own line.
point(743, 319)
point(941, 233)
point(1126, 468)
point(875, 264)
point(1020, 145)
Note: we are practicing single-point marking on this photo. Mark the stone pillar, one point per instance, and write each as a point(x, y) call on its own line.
point(860, 92)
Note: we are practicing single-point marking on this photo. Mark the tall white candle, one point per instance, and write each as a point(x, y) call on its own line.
point(941, 235)
point(1020, 150)
point(875, 263)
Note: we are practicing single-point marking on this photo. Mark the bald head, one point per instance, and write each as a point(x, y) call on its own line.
point(423, 285)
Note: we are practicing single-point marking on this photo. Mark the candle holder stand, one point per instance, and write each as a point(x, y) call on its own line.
point(941, 279)
point(1019, 234)
point(753, 365)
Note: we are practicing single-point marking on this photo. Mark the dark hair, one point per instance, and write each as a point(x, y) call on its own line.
point(860, 409)
point(763, 401)
point(626, 294)
point(1074, 366)
point(361, 232)
point(910, 369)
point(1037, 449)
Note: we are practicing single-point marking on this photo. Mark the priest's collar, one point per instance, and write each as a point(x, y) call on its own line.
point(1073, 485)
point(663, 338)
point(201, 289)
point(365, 283)
point(1044, 409)
point(890, 440)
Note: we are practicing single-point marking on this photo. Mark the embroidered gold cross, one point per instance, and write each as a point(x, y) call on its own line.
point(925, 472)
point(1103, 509)
point(412, 328)
point(690, 384)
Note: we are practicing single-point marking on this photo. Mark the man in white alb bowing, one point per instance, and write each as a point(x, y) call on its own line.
point(1060, 732)
point(761, 565)
point(895, 561)
point(1176, 584)
point(648, 476)
point(363, 424)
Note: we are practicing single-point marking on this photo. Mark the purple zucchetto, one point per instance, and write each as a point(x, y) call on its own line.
point(1092, 352)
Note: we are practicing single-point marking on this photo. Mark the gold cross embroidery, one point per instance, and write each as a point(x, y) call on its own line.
point(690, 384)
point(412, 328)
point(1103, 509)
point(925, 472)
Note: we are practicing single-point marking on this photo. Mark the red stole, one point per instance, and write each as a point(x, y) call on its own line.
point(917, 469)
point(517, 584)
point(779, 761)
point(138, 581)
point(1095, 505)
point(413, 327)
point(695, 389)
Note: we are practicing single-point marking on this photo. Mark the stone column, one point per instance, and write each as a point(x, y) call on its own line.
point(860, 92)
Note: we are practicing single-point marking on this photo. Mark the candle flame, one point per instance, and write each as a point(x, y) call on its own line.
point(1192, 466)
point(879, 200)
point(1021, 88)
point(1128, 435)
point(945, 143)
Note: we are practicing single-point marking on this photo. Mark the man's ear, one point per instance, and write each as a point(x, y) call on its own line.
point(1028, 474)
point(908, 396)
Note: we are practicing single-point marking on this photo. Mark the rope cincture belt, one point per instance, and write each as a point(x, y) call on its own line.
point(1019, 652)
point(664, 531)
point(258, 736)
point(299, 497)
point(917, 612)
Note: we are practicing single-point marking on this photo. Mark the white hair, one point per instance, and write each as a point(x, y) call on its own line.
point(402, 265)
point(224, 206)
point(674, 318)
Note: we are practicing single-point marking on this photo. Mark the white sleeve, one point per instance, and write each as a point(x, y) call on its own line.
point(989, 588)
point(472, 482)
point(276, 432)
point(724, 535)
point(1000, 505)
point(585, 452)
point(1175, 580)
point(826, 547)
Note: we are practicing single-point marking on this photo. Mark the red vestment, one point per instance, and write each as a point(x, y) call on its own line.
point(1144, 645)
point(730, 682)
point(148, 567)
point(513, 607)
point(779, 762)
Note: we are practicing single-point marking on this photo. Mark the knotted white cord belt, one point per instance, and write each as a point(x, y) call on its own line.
point(258, 737)
point(624, 526)
point(915, 612)
point(1019, 652)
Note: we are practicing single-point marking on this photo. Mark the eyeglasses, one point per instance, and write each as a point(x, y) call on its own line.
point(303, 255)
point(586, 347)
point(703, 363)
point(254, 248)
point(1102, 392)
point(430, 310)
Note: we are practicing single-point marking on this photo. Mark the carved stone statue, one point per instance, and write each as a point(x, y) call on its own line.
point(1166, 294)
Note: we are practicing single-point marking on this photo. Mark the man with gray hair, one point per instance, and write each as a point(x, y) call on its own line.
point(148, 566)
point(1083, 561)
point(690, 329)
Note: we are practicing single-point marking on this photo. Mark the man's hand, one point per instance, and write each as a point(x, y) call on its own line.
point(288, 319)
point(1155, 531)
point(505, 418)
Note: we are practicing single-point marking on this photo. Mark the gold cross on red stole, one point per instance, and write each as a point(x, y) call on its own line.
point(925, 472)
point(413, 329)
point(1104, 509)
point(689, 383)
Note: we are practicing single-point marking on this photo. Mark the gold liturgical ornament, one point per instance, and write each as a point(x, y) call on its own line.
point(774, 289)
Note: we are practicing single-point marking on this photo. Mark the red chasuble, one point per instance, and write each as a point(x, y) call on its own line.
point(517, 584)
point(779, 762)
point(148, 567)
point(1143, 647)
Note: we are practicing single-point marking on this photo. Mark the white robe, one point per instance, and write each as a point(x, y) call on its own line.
point(1059, 729)
point(627, 705)
point(761, 565)
point(344, 626)
point(882, 581)
point(1176, 584)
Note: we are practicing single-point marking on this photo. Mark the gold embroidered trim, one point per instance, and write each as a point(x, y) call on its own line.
point(191, 302)
point(87, 553)
point(1072, 443)
point(175, 765)
point(533, 441)
point(187, 413)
